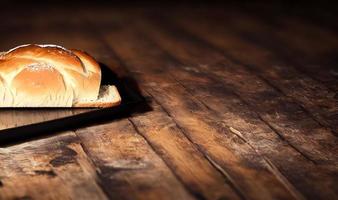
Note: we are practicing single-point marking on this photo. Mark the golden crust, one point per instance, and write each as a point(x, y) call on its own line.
point(90, 63)
point(47, 75)
point(32, 84)
point(29, 81)
point(56, 55)
point(94, 71)
point(8, 66)
point(2, 88)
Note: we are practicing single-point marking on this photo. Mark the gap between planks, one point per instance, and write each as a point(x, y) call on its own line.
point(217, 167)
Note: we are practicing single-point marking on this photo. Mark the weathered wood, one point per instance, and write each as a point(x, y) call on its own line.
point(311, 46)
point(221, 146)
point(128, 167)
point(53, 168)
point(14, 118)
point(236, 42)
point(219, 128)
point(168, 140)
point(239, 118)
point(183, 157)
point(305, 47)
point(280, 112)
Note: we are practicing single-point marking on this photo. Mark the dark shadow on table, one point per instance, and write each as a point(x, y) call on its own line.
point(132, 102)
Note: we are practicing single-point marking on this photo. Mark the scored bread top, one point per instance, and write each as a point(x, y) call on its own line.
point(47, 76)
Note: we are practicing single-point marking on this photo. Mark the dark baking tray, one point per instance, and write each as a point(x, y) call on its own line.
point(62, 119)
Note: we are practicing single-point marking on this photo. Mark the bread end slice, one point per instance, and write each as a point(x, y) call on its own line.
point(108, 97)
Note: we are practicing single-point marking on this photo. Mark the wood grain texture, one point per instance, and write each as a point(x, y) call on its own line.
point(184, 158)
point(245, 43)
point(167, 139)
point(296, 50)
point(239, 118)
point(270, 104)
point(193, 117)
point(127, 166)
point(15, 118)
point(53, 168)
point(198, 175)
point(239, 107)
point(311, 46)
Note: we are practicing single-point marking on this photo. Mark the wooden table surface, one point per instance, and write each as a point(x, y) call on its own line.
point(243, 105)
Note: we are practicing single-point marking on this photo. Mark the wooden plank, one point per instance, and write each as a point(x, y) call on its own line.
point(13, 118)
point(307, 47)
point(305, 37)
point(280, 112)
point(52, 168)
point(310, 47)
point(183, 157)
point(228, 106)
point(169, 141)
point(238, 116)
point(315, 49)
point(122, 183)
point(128, 167)
point(163, 148)
point(233, 157)
point(318, 100)
point(312, 50)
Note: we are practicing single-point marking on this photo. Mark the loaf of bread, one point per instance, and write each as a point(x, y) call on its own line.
point(52, 76)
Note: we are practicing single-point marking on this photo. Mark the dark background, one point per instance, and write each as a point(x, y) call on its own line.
point(324, 10)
